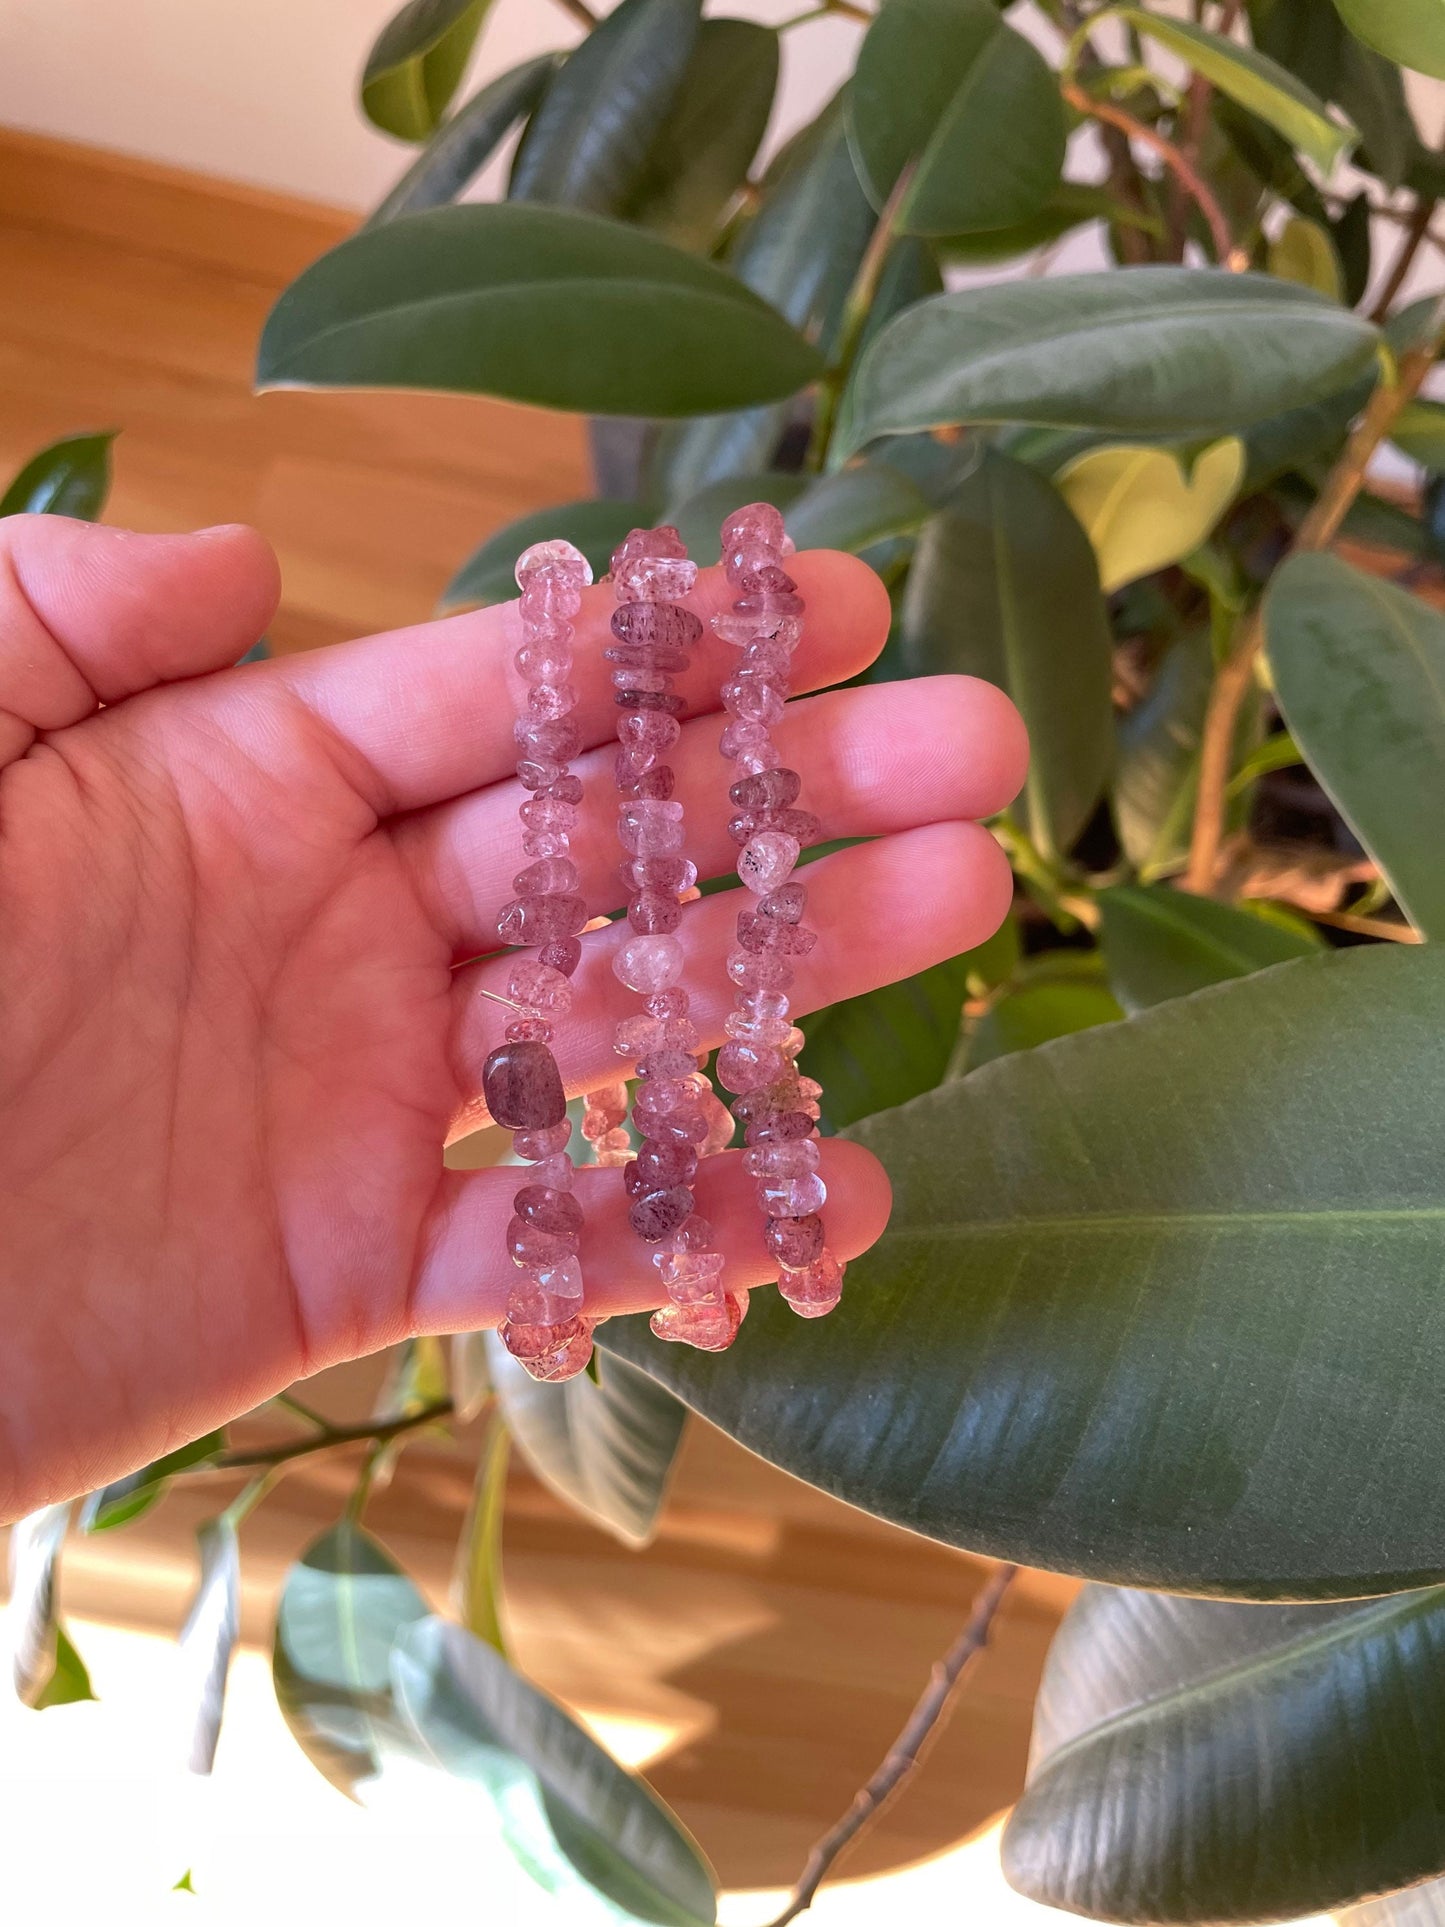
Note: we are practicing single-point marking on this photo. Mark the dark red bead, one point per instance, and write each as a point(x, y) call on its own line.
point(660, 1165)
point(655, 1213)
point(663, 623)
point(795, 1242)
point(523, 1087)
point(769, 789)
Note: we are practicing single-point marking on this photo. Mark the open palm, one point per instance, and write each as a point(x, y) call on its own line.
point(244, 923)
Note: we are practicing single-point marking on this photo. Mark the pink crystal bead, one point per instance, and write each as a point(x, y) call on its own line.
point(708, 1327)
point(544, 1328)
point(776, 1106)
point(674, 1111)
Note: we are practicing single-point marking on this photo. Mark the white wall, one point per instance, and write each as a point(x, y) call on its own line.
point(265, 90)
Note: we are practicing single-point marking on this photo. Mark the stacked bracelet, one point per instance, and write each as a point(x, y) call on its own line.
point(776, 1105)
point(675, 1114)
point(544, 1328)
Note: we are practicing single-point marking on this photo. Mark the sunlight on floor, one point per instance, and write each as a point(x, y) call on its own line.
point(96, 1811)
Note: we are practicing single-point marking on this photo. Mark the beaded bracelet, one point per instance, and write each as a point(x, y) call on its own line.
point(675, 1113)
point(776, 1105)
point(544, 1327)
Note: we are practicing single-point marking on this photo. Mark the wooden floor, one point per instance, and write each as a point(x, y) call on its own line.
point(772, 1641)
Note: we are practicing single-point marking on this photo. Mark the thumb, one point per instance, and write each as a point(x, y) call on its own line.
point(90, 615)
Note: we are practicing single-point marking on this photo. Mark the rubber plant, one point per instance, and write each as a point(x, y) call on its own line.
point(1161, 1300)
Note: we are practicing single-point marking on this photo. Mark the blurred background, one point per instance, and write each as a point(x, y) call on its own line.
point(166, 168)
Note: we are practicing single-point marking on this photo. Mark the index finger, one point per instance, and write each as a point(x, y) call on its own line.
point(428, 711)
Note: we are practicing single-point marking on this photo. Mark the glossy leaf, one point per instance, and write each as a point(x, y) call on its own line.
point(567, 1809)
point(596, 527)
point(1304, 253)
point(1297, 437)
point(1419, 432)
point(417, 63)
point(1158, 1303)
point(1161, 943)
point(1195, 1760)
point(1141, 511)
point(587, 145)
point(343, 1606)
point(1352, 238)
point(872, 1052)
point(538, 304)
point(208, 1639)
point(1255, 82)
point(1306, 36)
point(1409, 32)
point(606, 1446)
point(1372, 93)
point(855, 508)
point(1004, 585)
point(946, 85)
point(1154, 785)
point(701, 154)
point(32, 1615)
point(1157, 350)
point(463, 145)
point(71, 477)
point(800, 252)
point(125, 1499)
point(1359, 673)
point(1051, 996)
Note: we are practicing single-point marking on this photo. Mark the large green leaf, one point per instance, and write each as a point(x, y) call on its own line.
point(343, 1606)
point(855, 508)
point(417, 63)
point(872, 1052)
point(946, 85)
point(1372, 92)
point(1410, 32)
point(800, 252)
point(605, 1445)
point(1200, 1761)
point(587, 145)
point(1161, 943)
point(1359, 671)
point(1159, 1303)
point(71, 477)
point(208, 1638)
point(1156, 350)
point(463, 145)
point(1253, 80)
point(540, 304)
point(701, 154)
point(596, 527)
point(1312, 432)
point(1004, 585)
point(1307, 36)
point(567, 1809)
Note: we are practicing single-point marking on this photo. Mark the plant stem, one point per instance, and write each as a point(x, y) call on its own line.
point(289, 1403)
point(1317, 531)
point(1196, 123)
point(333, 1437)
point(580, 11)
point(854, 320)
point(1417, 232)
point(904, 1754)
point(1189, 177)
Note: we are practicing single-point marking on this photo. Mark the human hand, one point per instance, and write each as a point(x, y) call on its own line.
point(243, 922)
